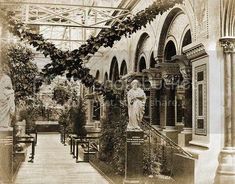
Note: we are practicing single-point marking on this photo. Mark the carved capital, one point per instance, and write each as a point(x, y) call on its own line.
point(186, 73)
point(171, 79)
point(154, 76)
point(184, 66)
point(228, 44)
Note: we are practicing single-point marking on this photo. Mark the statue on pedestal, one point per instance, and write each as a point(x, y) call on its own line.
point(136, 106)
point(7, 100)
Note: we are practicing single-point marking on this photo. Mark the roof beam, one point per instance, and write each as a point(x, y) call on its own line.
point(66, 25)
point(63, 5)
point(113, 18)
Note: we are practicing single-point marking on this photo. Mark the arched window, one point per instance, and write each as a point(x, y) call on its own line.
point(170, 50)
point(114, 72)
point(187, 38)
point(139, 49)
point(123, 68)
point(142, 64)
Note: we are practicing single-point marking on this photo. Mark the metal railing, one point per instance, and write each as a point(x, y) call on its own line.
point(166, 139)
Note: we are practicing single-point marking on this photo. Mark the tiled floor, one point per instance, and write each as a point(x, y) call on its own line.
point(53, 164)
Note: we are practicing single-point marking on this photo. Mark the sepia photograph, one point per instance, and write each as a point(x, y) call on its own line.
point(117, 91)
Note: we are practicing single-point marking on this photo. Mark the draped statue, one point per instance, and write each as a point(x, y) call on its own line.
point(7, 100)
point(136, 105)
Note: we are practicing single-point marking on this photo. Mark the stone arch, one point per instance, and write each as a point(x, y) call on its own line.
point(143, 38)
point(169, 29)
point(164, 32)
point(114, 70)
point(123, 70)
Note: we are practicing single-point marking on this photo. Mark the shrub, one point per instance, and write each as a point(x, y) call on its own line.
point(61, 94)
point(78, 119)
point(112, 142)
point(22, 71)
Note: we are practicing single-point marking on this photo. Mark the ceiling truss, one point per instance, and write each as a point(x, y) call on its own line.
point(66, 22)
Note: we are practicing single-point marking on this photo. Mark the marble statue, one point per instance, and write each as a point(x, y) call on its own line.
point(136, 105)
point(7, 100)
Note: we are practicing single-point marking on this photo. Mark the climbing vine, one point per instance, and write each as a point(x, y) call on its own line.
point(70, 62)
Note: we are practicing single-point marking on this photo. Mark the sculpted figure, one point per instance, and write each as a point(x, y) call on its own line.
point(136, 105)
point(7, 100)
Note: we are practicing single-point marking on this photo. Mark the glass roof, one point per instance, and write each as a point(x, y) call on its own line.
point(68, 23)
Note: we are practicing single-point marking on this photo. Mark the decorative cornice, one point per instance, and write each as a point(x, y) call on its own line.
point(195, 51)
point(228, 43)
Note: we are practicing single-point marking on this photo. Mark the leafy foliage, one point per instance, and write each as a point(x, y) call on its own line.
point(30, 113)
point(112, 142)
point(61, 94)
point(23, 73)
point(64, 118)
point(71, 63)
point(78, 118)
point(73, 118)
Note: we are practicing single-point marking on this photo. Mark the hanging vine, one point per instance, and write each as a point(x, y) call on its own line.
point(70, 62)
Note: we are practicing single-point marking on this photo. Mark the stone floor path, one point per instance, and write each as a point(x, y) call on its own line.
point(53, 164)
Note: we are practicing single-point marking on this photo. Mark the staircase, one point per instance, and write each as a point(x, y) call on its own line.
point(160, 151)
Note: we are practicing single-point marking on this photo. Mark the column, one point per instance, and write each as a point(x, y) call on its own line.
point(1, 37)
point(184, 90)
point(170, 129)
point(155, 79)
point(155, 107)
point(169, 97)
point(226, 168)
point(152, 105)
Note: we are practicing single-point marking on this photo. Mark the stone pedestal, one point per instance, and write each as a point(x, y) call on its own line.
point(6, 155)
point(134, 157)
